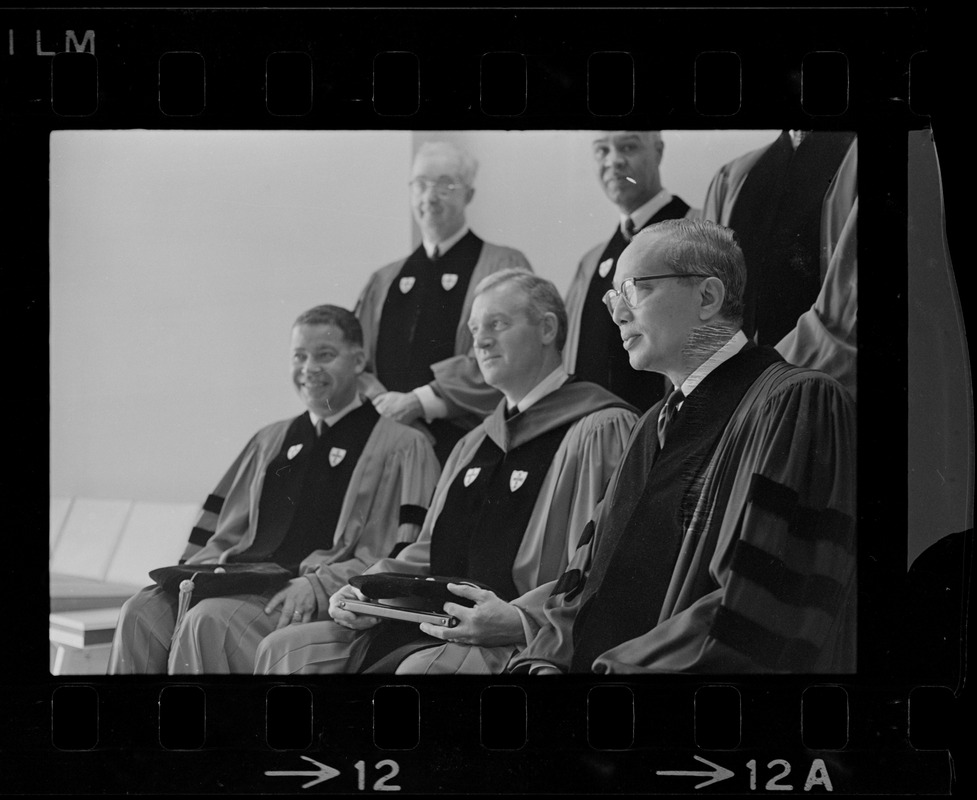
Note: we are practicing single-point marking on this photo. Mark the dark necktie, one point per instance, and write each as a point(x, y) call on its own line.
point(436, 254)
point(629, 229)
point(667, 414)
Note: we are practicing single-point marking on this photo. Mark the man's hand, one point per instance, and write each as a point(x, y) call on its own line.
point(348, 619)
point(491, 622)
point(297, 601)
point(403, 407)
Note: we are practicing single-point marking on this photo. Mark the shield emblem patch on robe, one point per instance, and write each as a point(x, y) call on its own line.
point(517, 479)
point(471, 475)
point(406, 284)
point(336, 455)
point(293, 451)
point(605, 267)
point(448, 281)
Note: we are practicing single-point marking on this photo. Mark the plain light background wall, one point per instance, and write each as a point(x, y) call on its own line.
point(179, 260)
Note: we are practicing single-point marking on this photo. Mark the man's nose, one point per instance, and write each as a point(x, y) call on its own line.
point(482, 338)
point(620, 312)
point(615, 156)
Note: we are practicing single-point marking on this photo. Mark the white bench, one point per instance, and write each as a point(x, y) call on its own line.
point(82, 640)
point(101, 556)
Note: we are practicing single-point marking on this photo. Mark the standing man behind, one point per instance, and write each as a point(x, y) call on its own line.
point(794, 207)
point(628, 169)
point(415, 311)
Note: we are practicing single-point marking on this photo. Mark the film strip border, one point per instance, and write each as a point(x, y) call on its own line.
point(443, 68)
point(553, 736)
point(350, 69)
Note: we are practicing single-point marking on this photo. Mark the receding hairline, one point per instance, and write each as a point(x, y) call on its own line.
point(652, 136)
point(465, 164)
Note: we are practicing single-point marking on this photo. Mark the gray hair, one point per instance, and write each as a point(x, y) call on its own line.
point(467, 165)
point(542, 297)
point(694, 245)
point(336, 316)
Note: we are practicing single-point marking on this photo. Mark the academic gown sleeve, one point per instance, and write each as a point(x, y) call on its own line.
point(385, 503)
point(224, 521)
point(367, 310)
point(774, 589)
point(550, 611)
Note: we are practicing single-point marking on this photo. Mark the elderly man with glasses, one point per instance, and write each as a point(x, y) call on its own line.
point(726, 539)
point(415, 311)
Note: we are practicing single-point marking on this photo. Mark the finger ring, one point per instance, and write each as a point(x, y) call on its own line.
point(296, 613)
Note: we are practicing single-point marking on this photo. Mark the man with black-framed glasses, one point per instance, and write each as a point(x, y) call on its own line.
point(414, 311)
point(725, 542)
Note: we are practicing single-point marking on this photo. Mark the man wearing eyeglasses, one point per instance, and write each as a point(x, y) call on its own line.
point(628, 170)
point(726, 539)
point(414, 311)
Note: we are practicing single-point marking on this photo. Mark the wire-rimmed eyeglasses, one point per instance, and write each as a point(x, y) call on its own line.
point(443, 187)
point(629, 290)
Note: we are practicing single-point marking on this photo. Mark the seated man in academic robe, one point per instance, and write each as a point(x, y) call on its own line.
point(726, 540)
point(325, 494)
point(508, 511)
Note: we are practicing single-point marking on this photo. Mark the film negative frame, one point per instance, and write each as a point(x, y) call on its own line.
point(688, 734)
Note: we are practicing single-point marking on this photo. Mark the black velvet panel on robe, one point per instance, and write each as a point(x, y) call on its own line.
point(301, 496)
point(421, 314)
point(483, 523)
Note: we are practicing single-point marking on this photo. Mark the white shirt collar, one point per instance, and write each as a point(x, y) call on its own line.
point(796, 137)
point(548, 385)
point(724, 353)
point(645, 212)
point(332, 419)
point(445, 245)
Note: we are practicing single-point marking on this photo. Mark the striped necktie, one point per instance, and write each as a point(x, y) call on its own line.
point(667, 414)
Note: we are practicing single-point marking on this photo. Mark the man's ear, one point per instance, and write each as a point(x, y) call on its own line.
point(548, 327)
point(469, 194)
point(712, 294)
point(359, 360)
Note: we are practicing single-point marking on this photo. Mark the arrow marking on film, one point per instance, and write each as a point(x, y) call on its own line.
point(323, 773)
point(716, 774)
